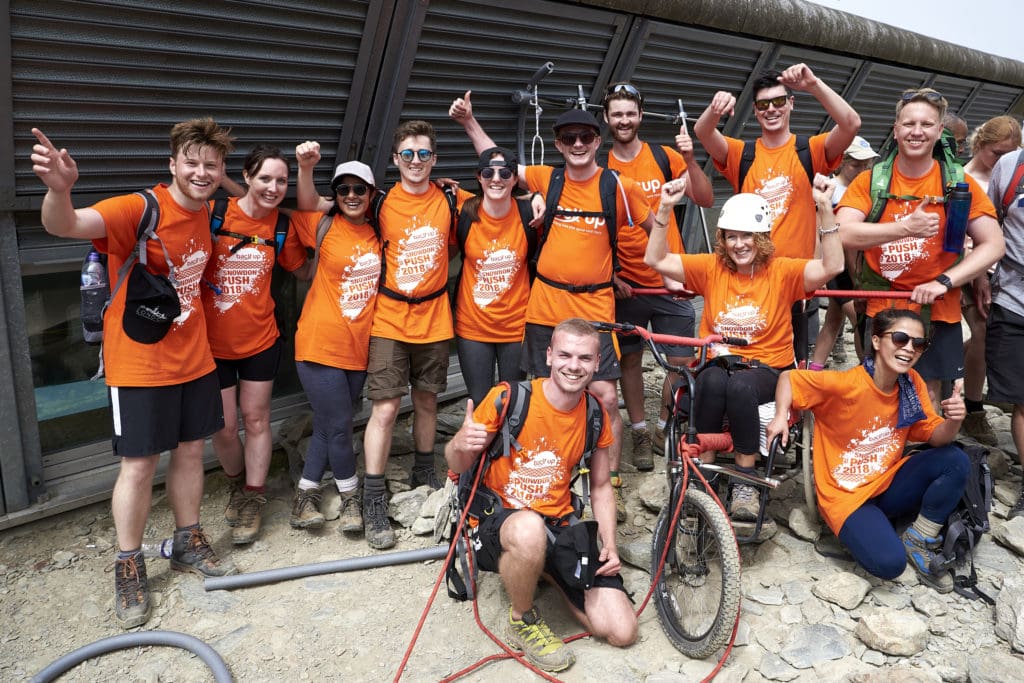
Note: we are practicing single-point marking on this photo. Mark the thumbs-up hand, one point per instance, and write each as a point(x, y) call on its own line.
point(921, 223)
point(953, 407)
point(462, 108)
point(472, 436)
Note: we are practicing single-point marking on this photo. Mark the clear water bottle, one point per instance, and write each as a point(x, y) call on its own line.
point(958, 209)
point(156, 548)
point(94, 274)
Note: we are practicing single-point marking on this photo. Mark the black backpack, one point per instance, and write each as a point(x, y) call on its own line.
point(803, 152)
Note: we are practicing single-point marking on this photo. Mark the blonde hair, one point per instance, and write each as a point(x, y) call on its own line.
point(994, 130)
point(926, 95)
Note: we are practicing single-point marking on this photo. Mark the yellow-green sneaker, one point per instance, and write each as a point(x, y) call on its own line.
point(534, 638)
point(620, 505)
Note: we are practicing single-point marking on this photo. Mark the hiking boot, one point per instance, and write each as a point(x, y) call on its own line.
point(745, 504)
point(976, 426)
point(839, 350)
point(379, 533)
point(424, 475)
point(534, 639)
point(643, 450)
point(658, 443)
point(192, 552)
point(131, 591)
point(1018, 508)
point(250, 511)
point(351, 518)
point(235, 487)
point(920, 553)
point(306, 510)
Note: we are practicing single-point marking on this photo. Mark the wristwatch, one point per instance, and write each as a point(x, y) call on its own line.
point(944, 280)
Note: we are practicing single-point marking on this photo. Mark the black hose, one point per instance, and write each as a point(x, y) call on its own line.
point(221, 674)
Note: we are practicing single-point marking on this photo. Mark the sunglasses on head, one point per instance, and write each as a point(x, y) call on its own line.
point(358, 189)
point(777, 102)
point(624, 88)
point(929, 95)
point(408, 155)
point(569, 139)
point(503, 172)
point(900, 339)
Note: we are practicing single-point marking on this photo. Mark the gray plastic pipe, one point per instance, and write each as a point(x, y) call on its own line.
point(221, 674)
point(214, 583)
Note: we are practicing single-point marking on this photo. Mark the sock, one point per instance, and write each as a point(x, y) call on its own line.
point(258, 489)
point(127, 554)
point(974, 406)
point(661, 424)
point(616, 480)
point(308, 484)
point(745, 470)
point(639, 426)
point(374, 486)
point(347, 485)
point(927, 527)
point(424, 460)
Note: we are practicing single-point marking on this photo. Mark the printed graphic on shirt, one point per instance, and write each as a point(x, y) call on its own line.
point(495, 273)
point(358, 283)
point(417, 256)
point(739, 318)
point(776, 190)
point(867, 455)
point(652, 189)
point(588, 225)
point(237, 275)
point(188, 274)
point(533, 475)
point(898, 256)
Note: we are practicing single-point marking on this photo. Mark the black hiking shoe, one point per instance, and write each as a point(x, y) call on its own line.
point(424, 476)
point(379, 533)
point(192, 552)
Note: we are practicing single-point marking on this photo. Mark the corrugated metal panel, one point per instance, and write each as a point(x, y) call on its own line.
point(992, 100)
point(809, 117)
point(876, 100)
point(955, 90)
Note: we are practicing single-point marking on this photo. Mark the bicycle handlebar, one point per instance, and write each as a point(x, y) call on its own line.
point(526, 94)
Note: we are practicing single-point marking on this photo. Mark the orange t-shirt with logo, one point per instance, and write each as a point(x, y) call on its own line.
point(538, 476)
point(577, 251)
point(184, 353)
point(780, 179)
point(334, 327)
point(240, 319)
point(857, 446)
point(495, 284)
point(633, 243)
point(911, 261)
point(755, 308)
point(416, 230)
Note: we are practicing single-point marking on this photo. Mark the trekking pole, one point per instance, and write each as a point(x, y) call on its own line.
point(528, 97)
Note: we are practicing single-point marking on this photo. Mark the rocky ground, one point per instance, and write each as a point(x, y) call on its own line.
point(805, 617)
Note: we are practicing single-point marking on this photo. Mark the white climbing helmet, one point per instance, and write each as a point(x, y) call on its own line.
point(746, 212)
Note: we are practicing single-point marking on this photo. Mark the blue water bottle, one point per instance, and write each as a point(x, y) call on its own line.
point(958, 207)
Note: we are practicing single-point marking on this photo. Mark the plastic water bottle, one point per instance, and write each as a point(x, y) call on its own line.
point(93, 272)
point(958, 207)
point(162, 548)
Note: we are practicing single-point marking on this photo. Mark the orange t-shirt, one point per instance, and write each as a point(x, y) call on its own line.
point(778, 176)
point(416, 231)
point(857, 446)
point(538, 477)
point(184, 354)
point(910, 261)
point(577, 251)
point(334, 327)
point(633, 243)
point(495, 284)
point(755, 308)
point(240, 320)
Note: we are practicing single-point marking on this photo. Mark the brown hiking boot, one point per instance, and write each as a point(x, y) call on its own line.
point(643, 450)
point(306, 510)
point(977, 427)
point(250, 512)
point(193, 553)
point(351, 518)
point(131, 591)
point(235, 487)
point(379, 533)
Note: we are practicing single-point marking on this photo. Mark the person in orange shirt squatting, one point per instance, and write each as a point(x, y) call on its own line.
point(864, 417)
point(533, 488)
point(161, 375)
point(903, 251)
point(634, 158)
point(243, 333)
point(333, 335)
point(576, 250)
point(412, 319)
point(747, 293)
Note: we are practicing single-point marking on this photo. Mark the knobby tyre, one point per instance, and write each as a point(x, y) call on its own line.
point(698, 595)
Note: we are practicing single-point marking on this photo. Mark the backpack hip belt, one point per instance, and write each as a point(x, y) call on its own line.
point(574, 289)
point(392, 294)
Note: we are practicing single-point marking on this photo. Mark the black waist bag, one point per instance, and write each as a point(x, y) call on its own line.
point(575, 554)
point(150, 307)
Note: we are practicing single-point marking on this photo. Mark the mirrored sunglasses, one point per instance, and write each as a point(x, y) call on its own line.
point(408, 155)
point(777, 102)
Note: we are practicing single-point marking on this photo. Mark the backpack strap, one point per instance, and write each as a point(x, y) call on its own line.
point(594, 425)
point(375, 208)
point(323, 226)
point(217, 229)
point(280, 232)
point(1014, 188)
point(803, 153)
point(661, 158)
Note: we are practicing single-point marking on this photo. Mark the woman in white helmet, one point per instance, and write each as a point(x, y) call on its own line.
point(747, 293)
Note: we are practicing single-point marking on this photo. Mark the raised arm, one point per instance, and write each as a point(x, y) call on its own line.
point(820, 270)
point(59, 172)
point(800, 77)
point(462, 112)
point(307, 156)
point(706, 127)
point(657, 255)
point(699, 189)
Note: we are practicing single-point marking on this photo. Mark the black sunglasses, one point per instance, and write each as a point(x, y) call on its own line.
point(569, 139)
point(929, 95)
point(358, 190)
point(778, 102)
point(503, 173)
point(407, 155)
point(624, 88)
point(900, 339)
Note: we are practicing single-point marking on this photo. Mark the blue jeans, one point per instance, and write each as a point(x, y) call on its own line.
point(334, 395)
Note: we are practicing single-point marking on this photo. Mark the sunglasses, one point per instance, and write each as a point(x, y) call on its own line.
point(929, 95)
point(900, 339)
point(358, 190)
point(777, 102)
point(627, 89)
point(408, 155)
point(503, 173)
point(569, 139)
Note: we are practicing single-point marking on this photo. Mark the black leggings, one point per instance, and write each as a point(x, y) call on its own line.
point(736, 396)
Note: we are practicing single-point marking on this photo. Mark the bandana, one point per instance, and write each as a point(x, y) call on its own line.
point(909, 404)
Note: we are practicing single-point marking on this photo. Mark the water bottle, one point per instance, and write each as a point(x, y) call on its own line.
point(152, 548)
point(95, 291)
point(94, 274)
point(958, 207)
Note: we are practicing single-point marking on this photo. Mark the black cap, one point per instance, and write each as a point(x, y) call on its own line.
point(150, 306)
point(576, 117)
point(510, 161)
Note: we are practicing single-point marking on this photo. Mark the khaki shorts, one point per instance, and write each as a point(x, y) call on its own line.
point(393, 365)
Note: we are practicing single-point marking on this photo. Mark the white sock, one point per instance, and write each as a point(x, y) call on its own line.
point(306, 484)
point(639, 426)
point(346, 485)
point(661, 424)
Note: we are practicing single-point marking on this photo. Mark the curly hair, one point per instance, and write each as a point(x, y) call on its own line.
point(762, 245)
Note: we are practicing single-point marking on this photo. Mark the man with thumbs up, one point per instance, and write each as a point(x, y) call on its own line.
point(533, 485)
point(903, 250)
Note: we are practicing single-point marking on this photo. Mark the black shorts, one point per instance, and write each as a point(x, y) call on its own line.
point(259, 367)
point(537, 339)
point(665, 315)
point(841, 281)
point(487, 544)
point(1004, 339)
point(151, 420)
